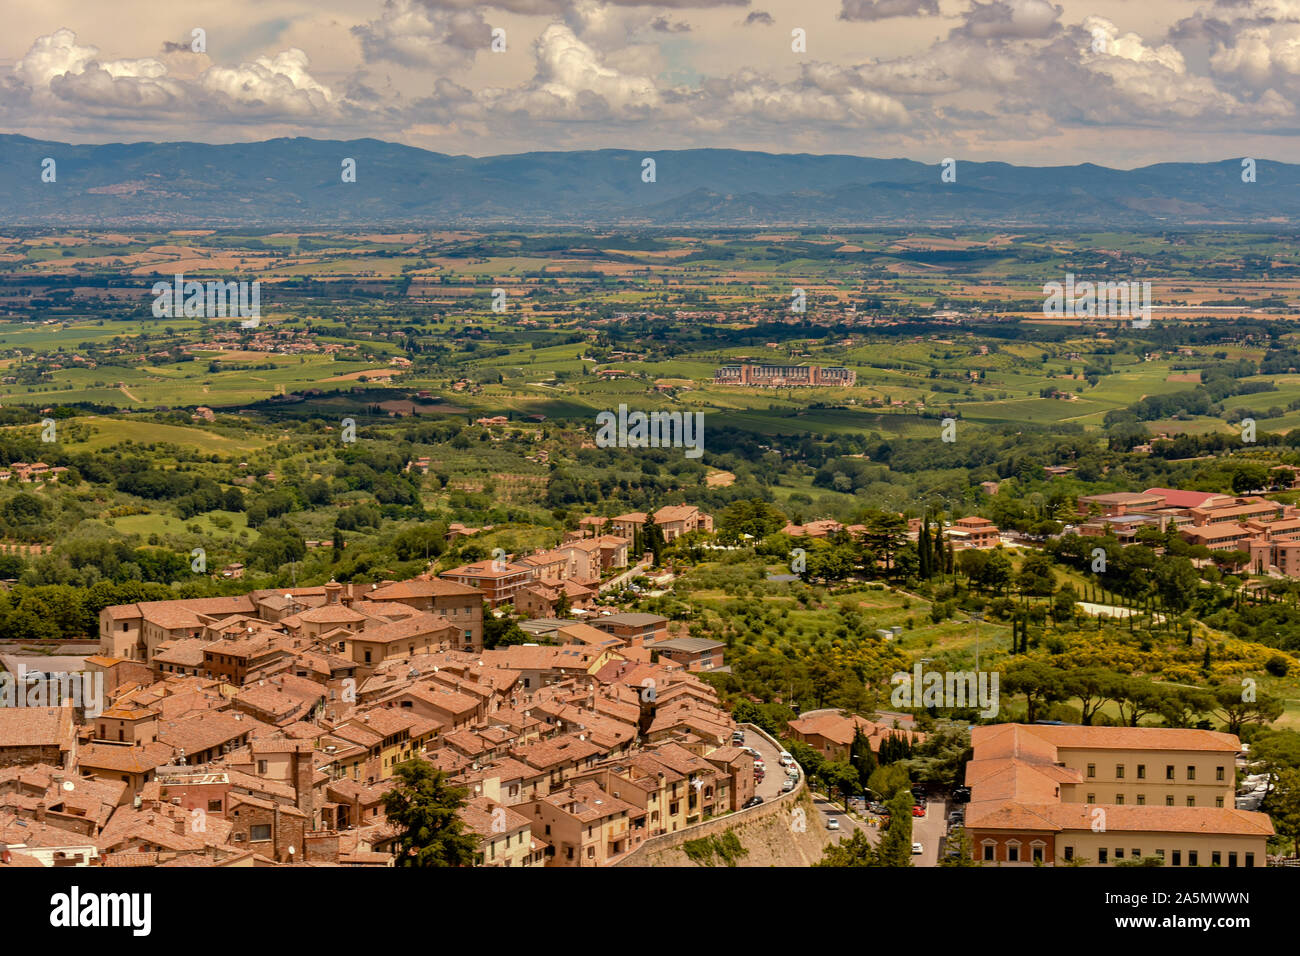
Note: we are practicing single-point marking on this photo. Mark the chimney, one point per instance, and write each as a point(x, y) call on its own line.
point(40, 812)
point(182, 827)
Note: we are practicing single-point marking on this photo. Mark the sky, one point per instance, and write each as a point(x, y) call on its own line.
point(1120, 83)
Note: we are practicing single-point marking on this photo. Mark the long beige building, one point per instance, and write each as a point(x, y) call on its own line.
point(1104, 795)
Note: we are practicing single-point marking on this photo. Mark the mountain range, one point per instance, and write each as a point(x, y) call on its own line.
point(299, 182)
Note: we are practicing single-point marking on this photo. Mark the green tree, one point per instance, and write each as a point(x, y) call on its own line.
point(896, 841)
point(855, 851)
point(890, 781)
point(1235, 711)
point(426, 811)
point(1283, 805)
point(959, 841)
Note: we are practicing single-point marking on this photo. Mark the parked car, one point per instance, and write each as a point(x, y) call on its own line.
point(833, 823)
point(752, 802)
point(787, 786)
point(918, 810)
point(917, 849)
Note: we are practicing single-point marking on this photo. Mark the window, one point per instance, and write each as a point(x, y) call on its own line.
point(988, 851)
point(1160, 854)
point(1119, 771)
point(1069, 853)
point(1092, 798)
point(1038, 853)
point(1142, 771)
point(1119, 799)
point(1169, 799)
point(1250, 859)
point(1092, 770)
point(1119, 853)
point(1216, 858)
point(261, 767)
point(1101, 855)
point(1169, 772)
point(1013, 852)
point(214, 806)
point(1191, 801)
point(1218, 773)
point(1142, 799)
point(1218, 802)
point(1191, 772)
point(1136, 854)
point(1178, 857)
point(1191, 858)
point(259, 832)
point(1232, 859)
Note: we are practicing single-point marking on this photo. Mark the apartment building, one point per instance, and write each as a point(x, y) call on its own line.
point(784, 376)
point(1053, 794)
point(461, 604)
point(496, 581)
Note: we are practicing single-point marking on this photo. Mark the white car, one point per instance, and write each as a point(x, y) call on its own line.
point(917, 849)
point(833, 823)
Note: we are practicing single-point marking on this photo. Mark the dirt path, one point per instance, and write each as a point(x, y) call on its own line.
point(127, 392)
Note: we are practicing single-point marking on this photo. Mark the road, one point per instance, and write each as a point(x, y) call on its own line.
point(927, 830)
point(775, 774)
point(626, 576)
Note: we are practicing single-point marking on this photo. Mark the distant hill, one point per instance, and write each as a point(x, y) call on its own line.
point(297, 182)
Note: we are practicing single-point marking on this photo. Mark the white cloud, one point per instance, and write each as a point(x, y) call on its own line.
point(278, 85)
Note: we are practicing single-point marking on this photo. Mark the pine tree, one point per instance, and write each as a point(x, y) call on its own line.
point(923, 553)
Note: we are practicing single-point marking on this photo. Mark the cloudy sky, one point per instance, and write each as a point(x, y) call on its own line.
point(1115, 82)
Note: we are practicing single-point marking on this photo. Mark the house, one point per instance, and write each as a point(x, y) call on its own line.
point(634, 627)
point(972, 532)
point(673, 521)
point(832, 735)
point(36, 735)
point(693, 653)
point(583, 825)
